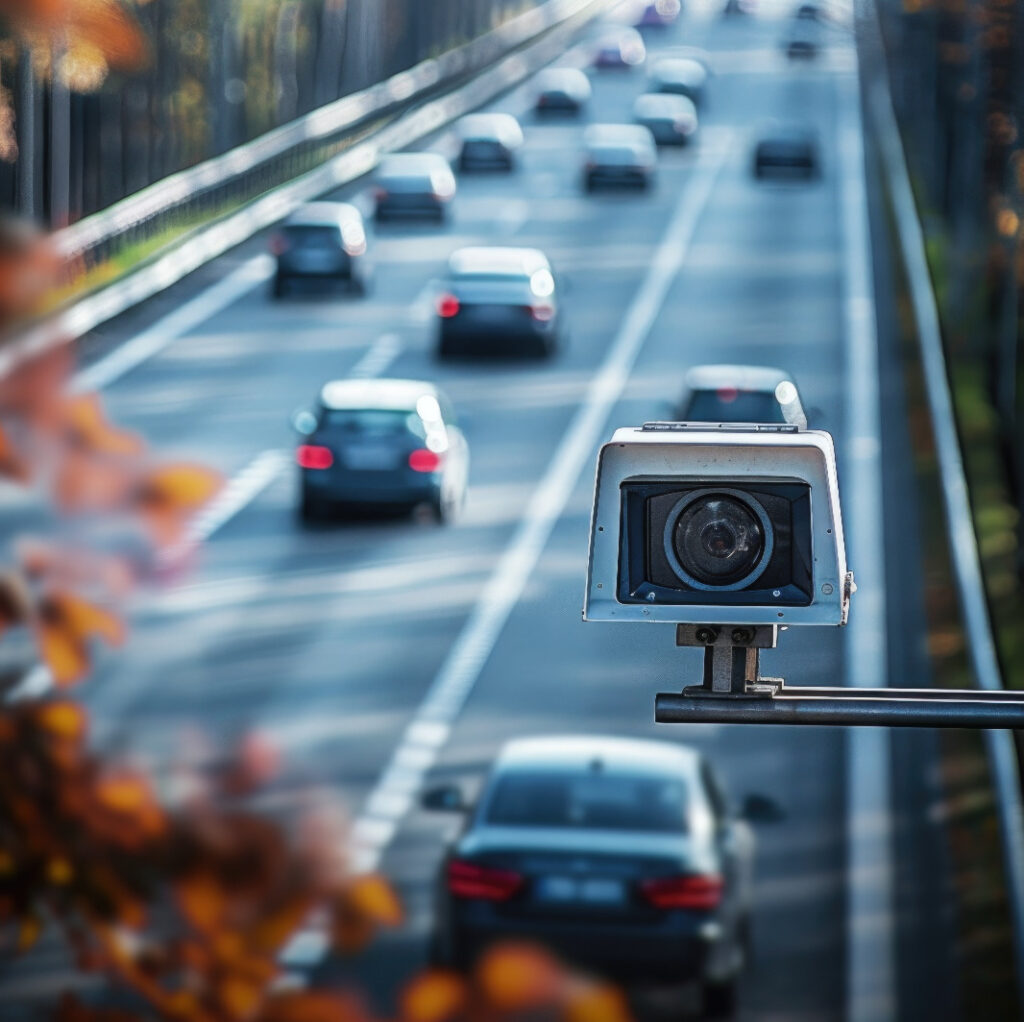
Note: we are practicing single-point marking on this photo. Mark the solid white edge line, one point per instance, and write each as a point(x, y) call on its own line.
point(870, 944)
point(430, 727)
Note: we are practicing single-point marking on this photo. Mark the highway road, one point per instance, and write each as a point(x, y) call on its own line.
point(336, 640)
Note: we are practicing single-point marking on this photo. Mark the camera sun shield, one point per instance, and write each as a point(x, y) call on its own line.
point(732, 525)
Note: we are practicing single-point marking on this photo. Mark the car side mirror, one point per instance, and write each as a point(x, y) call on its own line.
point(444, 798)
point(304, 422)
point(761, 809)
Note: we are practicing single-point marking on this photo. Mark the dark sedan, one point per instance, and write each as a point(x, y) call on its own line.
point(787, 151)
point(322, 241)
point(414, 185)
point(562, 90)
point(620, 855)
point(488, 142)
point(381, 443)
point(499, 301)
point(738, 393)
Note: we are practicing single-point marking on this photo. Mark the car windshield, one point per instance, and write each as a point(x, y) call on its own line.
point(593, 801)
point(371, 422)
point(730, 405)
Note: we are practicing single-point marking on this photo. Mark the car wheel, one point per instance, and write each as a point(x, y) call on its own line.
point(718, 1000)
point(313, 507)
point(279, 287)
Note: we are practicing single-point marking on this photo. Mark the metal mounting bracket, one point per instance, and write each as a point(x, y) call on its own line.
point(733, 692)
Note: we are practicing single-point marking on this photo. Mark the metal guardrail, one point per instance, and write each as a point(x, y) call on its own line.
point(343, 161)
point(962, 541)
point(285, 152)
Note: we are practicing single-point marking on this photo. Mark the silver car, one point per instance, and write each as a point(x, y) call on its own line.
point(672, 120)
point(739, 393)
point(414, 185)
point(488, 142)
point(323, 241)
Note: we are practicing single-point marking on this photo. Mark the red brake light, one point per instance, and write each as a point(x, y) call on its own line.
point(542, 313)
point(695, 892)
point(380, 193)
point(423, 460)
point(278, 244)
point(447, 306)
point(727, 395)
point(468, 880)
point(314, 456)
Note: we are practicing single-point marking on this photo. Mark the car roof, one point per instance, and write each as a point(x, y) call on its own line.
point(558, 753)
point(756, 378)
point(496, 125)
point(687, 69)
point(319, 214)
point(487, 259)
point(617, 135)
point(556, 77)
point(667, 103)
point(383, 395)
point(412, 164)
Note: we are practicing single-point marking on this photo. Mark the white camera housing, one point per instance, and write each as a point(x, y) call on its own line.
point(652, 484)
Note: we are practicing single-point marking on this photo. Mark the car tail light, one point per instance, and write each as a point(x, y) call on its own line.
point(380, 193)
point(542, 313)
point(448, 306)
point(423, 460)
point(278, 244)
point(694, 892)
point(314, 456)
point(470, 880)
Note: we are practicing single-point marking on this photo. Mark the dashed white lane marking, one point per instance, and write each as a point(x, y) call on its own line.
point(428, 731)
point(169, 328)
point(378, 357)
point(239, 491)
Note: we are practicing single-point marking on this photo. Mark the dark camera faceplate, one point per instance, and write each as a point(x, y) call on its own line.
point(648, 569)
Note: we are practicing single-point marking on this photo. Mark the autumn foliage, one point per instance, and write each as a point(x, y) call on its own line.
point(173, 888)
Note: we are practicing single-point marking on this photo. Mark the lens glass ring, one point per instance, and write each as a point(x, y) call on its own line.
point(718, 539)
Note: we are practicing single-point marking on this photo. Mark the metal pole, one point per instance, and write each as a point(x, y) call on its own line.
point(675, 708)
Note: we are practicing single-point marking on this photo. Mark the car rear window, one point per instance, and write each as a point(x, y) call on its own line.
point(590, 802)
point(367, 422)
point(313, 236)
point(730, 405)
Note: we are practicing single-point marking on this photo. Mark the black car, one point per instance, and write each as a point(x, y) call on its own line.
point(499, 301)
point(803, 40)
point(622, 856)
point(561, 90)
point(488, 142)
point(787, 151)
point(321, 241)
point(739, 393)
point(412, 185)
point(381, 443)
point(617, 155)
point(684, 76)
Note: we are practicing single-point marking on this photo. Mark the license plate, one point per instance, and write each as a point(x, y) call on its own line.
point(580, 890)
point(370, 459)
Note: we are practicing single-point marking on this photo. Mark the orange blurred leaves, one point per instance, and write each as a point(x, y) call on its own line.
point(434, 997)
point(364, 906)
point(65, 625)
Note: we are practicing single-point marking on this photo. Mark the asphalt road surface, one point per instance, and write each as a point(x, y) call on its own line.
point(329, 639)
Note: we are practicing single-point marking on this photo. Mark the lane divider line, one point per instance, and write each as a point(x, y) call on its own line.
point(427, 733)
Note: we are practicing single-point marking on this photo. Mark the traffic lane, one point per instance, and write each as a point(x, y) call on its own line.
point(550, 674)
point(296, 653)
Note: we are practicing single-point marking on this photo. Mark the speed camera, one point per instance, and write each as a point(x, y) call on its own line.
point(732, 524)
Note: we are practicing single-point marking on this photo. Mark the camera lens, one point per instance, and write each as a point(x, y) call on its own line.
point(718, 539)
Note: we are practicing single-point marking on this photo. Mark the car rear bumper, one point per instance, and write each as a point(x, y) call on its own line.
point(395, 492)
point(467, 337)
point(409, 206)
point(674, 953)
